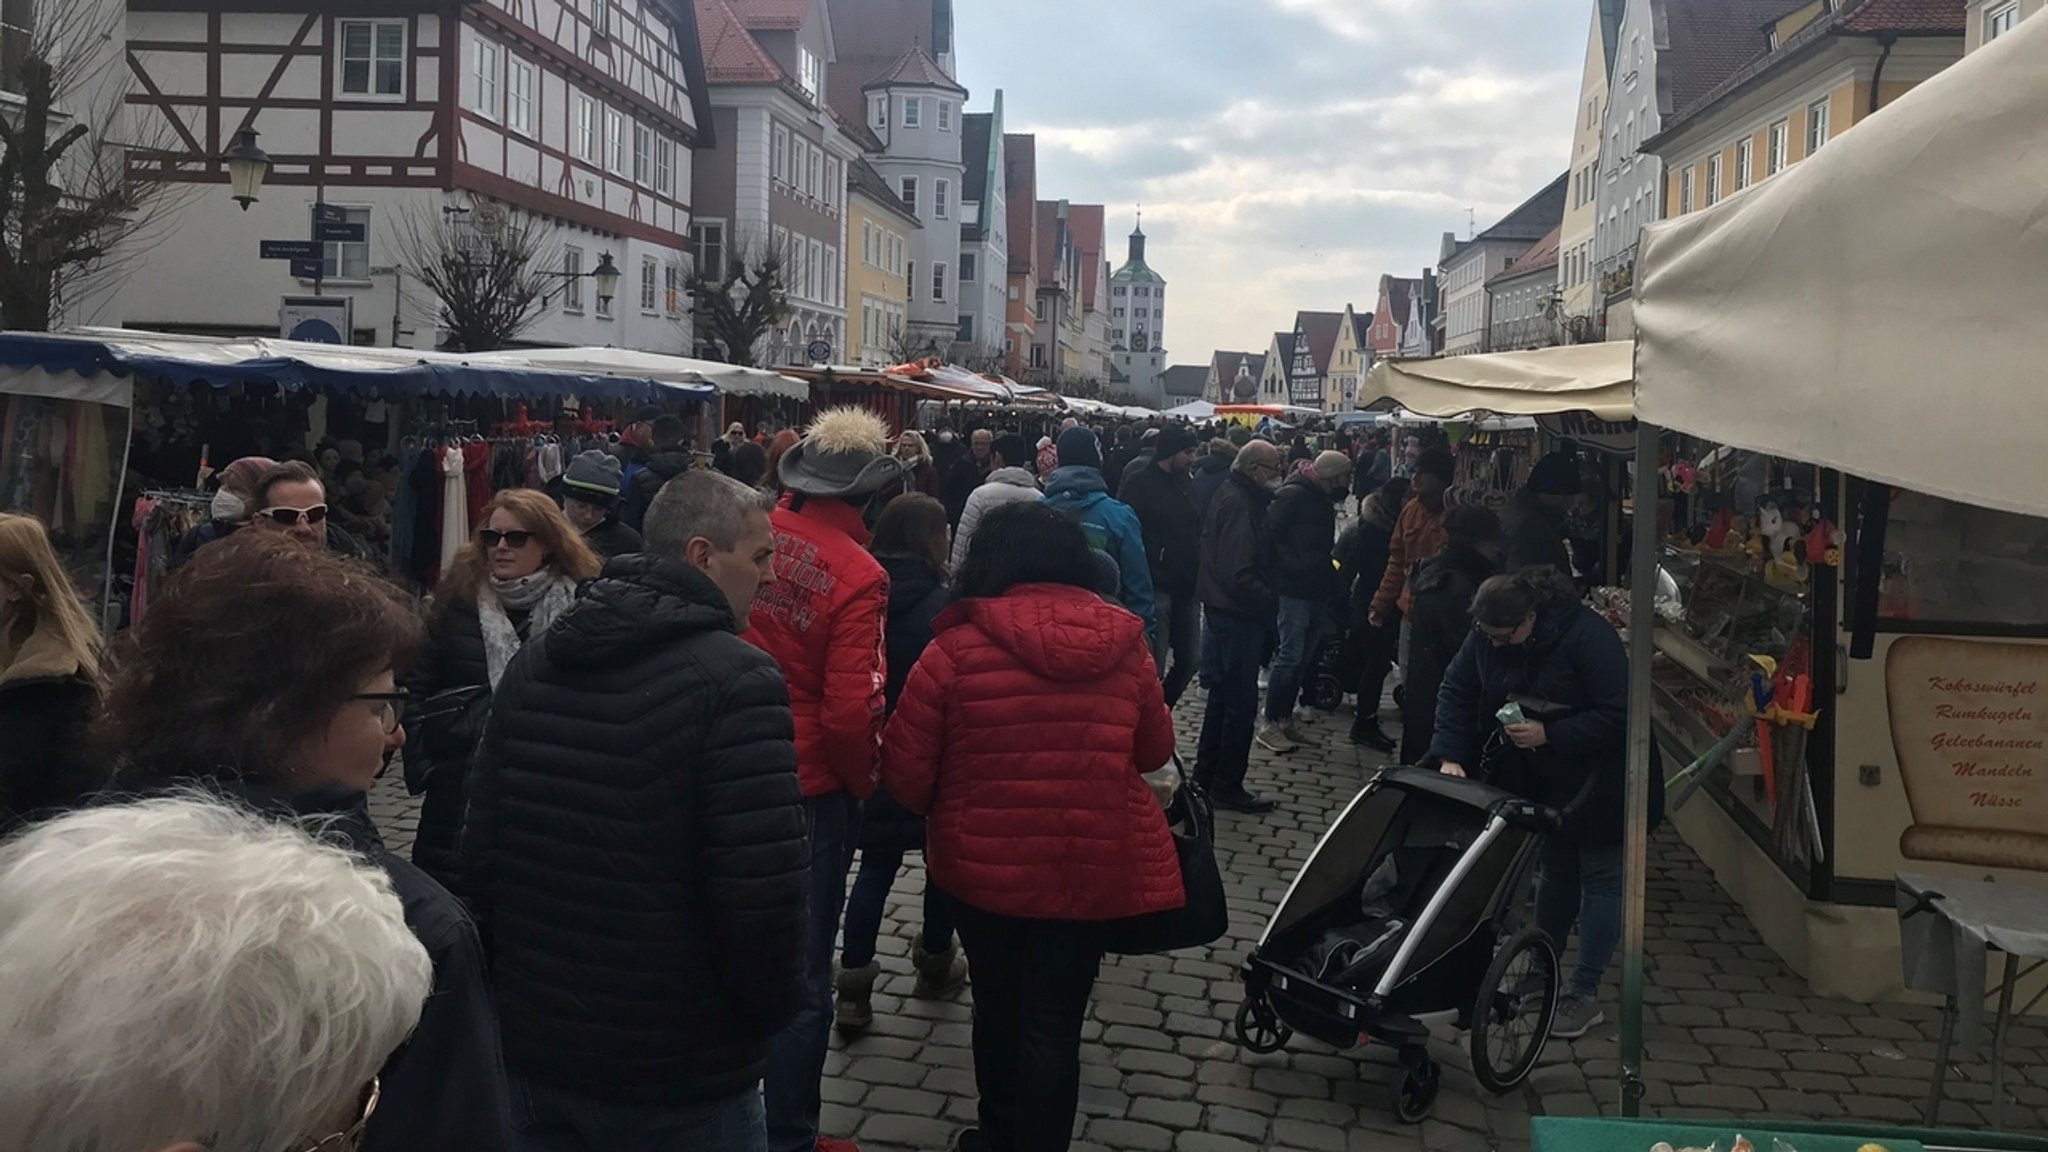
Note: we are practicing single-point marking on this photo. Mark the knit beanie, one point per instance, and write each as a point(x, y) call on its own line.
point(594, 478)
point(1332, 466)
point(1078, 446)
point(1557, 474)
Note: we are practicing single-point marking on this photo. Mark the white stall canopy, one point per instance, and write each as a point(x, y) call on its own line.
point(729, 379)
point(1593, 378)
point(1881, 307)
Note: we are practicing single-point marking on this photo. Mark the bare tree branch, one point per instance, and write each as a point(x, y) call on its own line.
point(485, 273)
point(73, 196)
point(736, 306)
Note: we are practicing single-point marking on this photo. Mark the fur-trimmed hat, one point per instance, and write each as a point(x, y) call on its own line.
point(844, 453)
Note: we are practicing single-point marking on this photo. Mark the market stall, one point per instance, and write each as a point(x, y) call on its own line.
point(747, 396)
point(895, 393)
point(1788, 325)
point(145, 418)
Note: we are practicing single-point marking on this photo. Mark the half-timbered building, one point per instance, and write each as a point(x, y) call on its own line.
point(581, 113)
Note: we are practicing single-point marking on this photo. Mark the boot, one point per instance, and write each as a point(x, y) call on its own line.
point(937, 973)
point(854, 1011)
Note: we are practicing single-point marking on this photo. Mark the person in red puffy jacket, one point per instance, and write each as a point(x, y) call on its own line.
point(1024, 734)
point(822, 620)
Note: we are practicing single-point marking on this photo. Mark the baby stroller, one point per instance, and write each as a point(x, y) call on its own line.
point(1406, 916)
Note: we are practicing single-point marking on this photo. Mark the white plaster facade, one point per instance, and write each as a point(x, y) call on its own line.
point(920, 124)
point(1626, 196)
point(984, 254)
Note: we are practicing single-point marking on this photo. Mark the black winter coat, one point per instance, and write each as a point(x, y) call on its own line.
point(1236, 559)
point(1439, 622)
point(1302, 522)
point(636, 848)
point(445, 1087)
point(662, 467)
point(1206, 479)
point(438, 751)
point(612, 539)
point(1361, 557)
point(1535, 535)
point(45, 766)
point(1574, 660)
point(1165, 505)
point(916, 596)
point(962, 478)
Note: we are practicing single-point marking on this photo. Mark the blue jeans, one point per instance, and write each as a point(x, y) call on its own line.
point(548, 1120)
point(796, 1061)
point(1581, 882)
point(1301, 625)
point(864, 908)
point(1224, 754)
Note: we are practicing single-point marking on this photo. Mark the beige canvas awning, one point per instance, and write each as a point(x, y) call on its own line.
point(1881, 307)
point(1593, 378)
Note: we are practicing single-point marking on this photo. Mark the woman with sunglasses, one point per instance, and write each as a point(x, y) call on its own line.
point(1536, 647)
point(266, 673)
point(509, 583)
point(290, 499)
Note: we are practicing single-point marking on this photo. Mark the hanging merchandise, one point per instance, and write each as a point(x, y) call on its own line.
point(454, 506)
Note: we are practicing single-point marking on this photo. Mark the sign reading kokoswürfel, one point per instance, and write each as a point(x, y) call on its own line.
point(1970, 726)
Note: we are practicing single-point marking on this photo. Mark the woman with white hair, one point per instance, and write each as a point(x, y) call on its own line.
point(187, 977)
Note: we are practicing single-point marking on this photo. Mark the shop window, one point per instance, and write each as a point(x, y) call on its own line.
point(1950, 563)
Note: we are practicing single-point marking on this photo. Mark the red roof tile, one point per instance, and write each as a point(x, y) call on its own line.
point(1088, 224)
point(772, 15)
point(915, 69)
point(731, 56)
point(1543, 254)
point(1911, 16)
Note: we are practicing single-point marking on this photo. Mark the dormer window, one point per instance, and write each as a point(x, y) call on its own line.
point(808, 73)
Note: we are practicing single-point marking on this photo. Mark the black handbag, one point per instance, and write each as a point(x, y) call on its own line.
point(448, 726)
point(1205, 917)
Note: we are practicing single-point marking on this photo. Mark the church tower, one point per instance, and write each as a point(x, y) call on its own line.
point(1137, 323)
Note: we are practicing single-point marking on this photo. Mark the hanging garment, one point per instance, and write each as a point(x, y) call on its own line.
point(476, 468)
point(405, 503)
point(550, 462)
point(138, 597)
point(425, 481)
point(454, 506)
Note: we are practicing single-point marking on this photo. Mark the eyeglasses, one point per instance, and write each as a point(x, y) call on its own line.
point(289, 517)
point(1498, 637)
point(491, 538)
point(351, 1137)
point(391, 706)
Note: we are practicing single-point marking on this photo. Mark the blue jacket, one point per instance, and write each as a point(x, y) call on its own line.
point(1112, 528)
point(1575, 661)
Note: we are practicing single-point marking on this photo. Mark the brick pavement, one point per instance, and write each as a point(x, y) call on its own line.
point(1729, 1031)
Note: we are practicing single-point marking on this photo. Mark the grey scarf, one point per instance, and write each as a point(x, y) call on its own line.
point(545, 594)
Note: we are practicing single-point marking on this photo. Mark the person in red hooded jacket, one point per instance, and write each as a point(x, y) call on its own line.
point(1030, 732)
point(822, 620)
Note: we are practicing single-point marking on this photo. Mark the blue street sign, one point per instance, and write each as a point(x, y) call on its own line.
point(342, 233)
point(307, 269)
point(329, 214)
point(289, 249)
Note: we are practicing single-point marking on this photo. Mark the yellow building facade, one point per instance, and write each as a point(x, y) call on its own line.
point(1348, 363)
point(1819, 77)
point(877, 270)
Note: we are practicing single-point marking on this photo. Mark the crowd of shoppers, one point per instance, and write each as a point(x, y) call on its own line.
point(656, 718)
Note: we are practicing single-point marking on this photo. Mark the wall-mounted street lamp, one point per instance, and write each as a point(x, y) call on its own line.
point(247, 166)
point(606, 274)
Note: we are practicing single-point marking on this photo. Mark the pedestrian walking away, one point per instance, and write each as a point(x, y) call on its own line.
point(1076, 488)
point(1537, 646)
point(1301, 525)
point(1162, 497)
point(266, 673)
point(822, 621)
point(1440, 620)
point(668, 457)
point(508, 584)
point(1027, 731)
point(910, 542)
point(635, 845)
point(1534, 520)
point(1361, 558)
point(1238, 605)
point(969, 472)
point(1009, 482)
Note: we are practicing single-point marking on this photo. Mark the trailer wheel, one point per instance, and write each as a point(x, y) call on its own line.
point(1259, 1029)
point(1511, 1021)
point(1416, 1097)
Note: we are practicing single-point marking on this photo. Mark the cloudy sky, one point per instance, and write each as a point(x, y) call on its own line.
point(1286, 151)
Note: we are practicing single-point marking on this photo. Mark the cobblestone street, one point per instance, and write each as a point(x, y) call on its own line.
point(1729, 1030)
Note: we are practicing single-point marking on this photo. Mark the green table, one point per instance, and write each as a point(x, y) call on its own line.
point(1566, 1134)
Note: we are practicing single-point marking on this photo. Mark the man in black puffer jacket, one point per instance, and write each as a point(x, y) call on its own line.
point(636, 847)
point(1302, 524)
